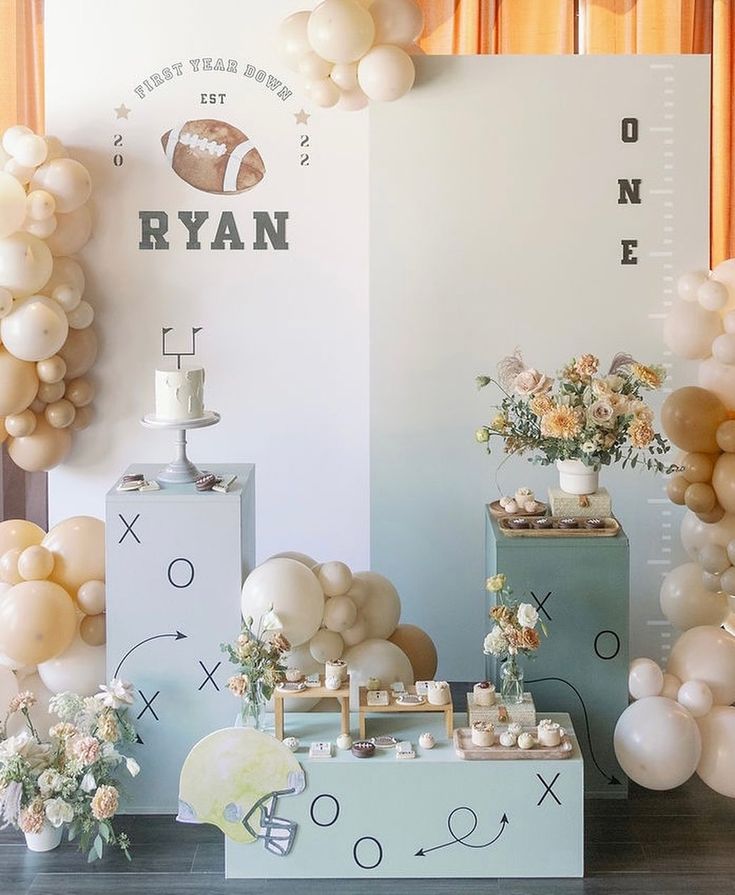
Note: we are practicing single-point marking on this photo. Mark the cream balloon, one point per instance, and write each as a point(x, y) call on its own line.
point(25, 264)
point(35, 563)
point(326, 646)
point(696, 697)
point(352, 100)
point(340, 30)
point(723, 481)
point(657, 743)
point(376, 658)
point(687, 603)
point(60, 414)
point(37, 622)
point(40, 205)
point(72, 232)
point(397, 22)
point(340, 613)
point(78, 546)
point(324, 92)
point(386, 73)
point(66, 272)
point(9, 573)
point(18, 383)
point(723, 348)
point(41, 718)
point(344, 75)
point(357, 632)
point(48, 392)
point(725, 273)
point(79, 669)
point(671, 686)
point(717, 765)
point(80, 392)
point(30, 151)
point(18, 425)
point(41, 229)
point(12, 137)
point(707, 654)
point(82, 316)
point(695, 534)
point(79, 352)
point(690, 330)
point(8, 689)
point(69, 297)
point(313, 67)
point(19, 533)
point(51, 369)
point(712, 295)
point(44, 449)
point(12, 204)
point(35, 330)
point(291, 590)
point(303, 558)
point(719, 379)
point(82, 418)
point(645, 678)
point(67, 180)
point(714, 559)
point(382, 607)
point(688, 284)
point(335, 578)
point(91, 597)
point(292, 38)
point(359, 591)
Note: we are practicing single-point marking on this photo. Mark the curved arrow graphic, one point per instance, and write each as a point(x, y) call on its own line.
point(177, 635)
point(611, 778)
point(461, 840)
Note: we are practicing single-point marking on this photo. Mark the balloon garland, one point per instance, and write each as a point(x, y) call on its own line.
point(683, 721)
point(352, 51)
point(48, 343)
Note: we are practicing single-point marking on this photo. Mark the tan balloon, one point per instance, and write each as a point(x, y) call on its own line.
point(419, 648)
point(78, 545)
point(48, 392)
point(9, 566)
point(700, 498)
point(82, 418)
point(726, 436)
point(80, 392)
point(91, 597)
point(37, 622)
point(18, 425)
point(382, 608)
point(93, 631)
point(60, 414)
point(53, 369)
point(676, 489)
point(35, 563)
point(18, 383)
point(699, 467)
point(19, 533)
point(41, 451)
point(340, 613)
point(79, 351)
point(714, 516)
point(690, 417)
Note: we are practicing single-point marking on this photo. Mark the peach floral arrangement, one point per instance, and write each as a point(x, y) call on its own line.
point(583, 414)
point(514, 629)
point(72, 778)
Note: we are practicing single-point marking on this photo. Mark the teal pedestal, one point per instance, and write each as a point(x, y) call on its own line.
point(580, 587)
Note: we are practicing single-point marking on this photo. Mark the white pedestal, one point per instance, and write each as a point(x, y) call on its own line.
point(176, 560)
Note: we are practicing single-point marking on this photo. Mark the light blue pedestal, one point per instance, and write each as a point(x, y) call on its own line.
point(176, 560)
point(580, 587)
point(368, 818)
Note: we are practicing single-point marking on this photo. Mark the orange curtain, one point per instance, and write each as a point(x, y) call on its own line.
point(21, 63)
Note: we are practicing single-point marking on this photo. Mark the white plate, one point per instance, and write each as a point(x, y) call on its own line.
point(154, 422)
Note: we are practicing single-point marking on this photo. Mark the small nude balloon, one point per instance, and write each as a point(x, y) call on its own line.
point(44, 449)
point(82, 418)
point(700, 498)
point(79, 352)
point(93, 630)
point(91, 597)
point(335, 578)
point(689, 283)
point(17, 425)
point(712, 295)
point(78, 545)
point(72, 232)
point(691, 416)
point(60, 414)
point(69, 297)
point(35, 563)
point(31, 150)
point(48, 392)
point(82, 316)
point(645, 678)
point(51, 369)
point(9, 566)
point(340, 613)
point(65, 272)
point(40, 205)
point(696, 697)
point(67, 180)
point(699, 467)
point(676, 489)
point(80, 392)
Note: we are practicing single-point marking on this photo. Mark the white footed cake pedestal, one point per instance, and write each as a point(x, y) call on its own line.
point(181, 470)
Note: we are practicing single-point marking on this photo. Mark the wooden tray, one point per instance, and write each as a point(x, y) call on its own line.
point(466, 749)
point(609, 531)
point(500, 513)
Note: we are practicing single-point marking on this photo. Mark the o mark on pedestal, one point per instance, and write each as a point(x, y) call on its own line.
point(614, 648)
point(378, 855)
point(185, 576)
point(334, 810)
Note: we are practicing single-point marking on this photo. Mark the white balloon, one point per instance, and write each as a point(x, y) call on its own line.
point(344, 75)
point(292, 39)
point(671, 686)
point(689, 330)
point(695, 533)
point(657, 743)
point(707, 654)
point(326, 646)
point(294, 593)
point(712, 295)
point(25, 264)
point(39, 713)
point(21, 173)
point(645, 678)
point(41, 229)
point(72, 232)
point(386, 73)
point(12, 204)
point(340, 613)
point(8, 689)
point(376, 658)
point(12, 137)
point(335, 578)
point(352, 100)
point(323, 92)
point(723, 348)
point(303, 558)
point(80, 669)
point(82, 316)
point(382, 607)
point(340, 30)
point(398, 22)
point(725, 273)
point(35, 330)
point(714, 559)
point(67, 180)
point(717, 764)
point(696, 697)
point(313, 67)
point(68, 297)
point(688, 284)
point(31, 151)
point(67, 273)
point(718, 378)
point(687, 603)
point(40, 205)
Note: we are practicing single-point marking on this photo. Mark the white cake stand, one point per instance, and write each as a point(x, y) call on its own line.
point(180, 471)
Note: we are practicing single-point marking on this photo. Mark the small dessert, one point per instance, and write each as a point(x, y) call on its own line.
point(422, 688)
point(507, 738)
point(333, 682)
point(484, 693)
point(291, 686)
point(523, 495)
point(292, 743)
point(531, 506)
point(313, 680)
point(378, 697)
point(149, 486)
point(519, 523)
point(363, 749)
point(438, 693)
point(410, 699)
point(337, 667)
point(405, 750)
point(504, 501)
point(543, 522)
point(526, 741)
point(294, 675)
point(426, 740)
point(515, 728)
point(386, 741)
point(320, 750)
point(594, 523)
point(373, 683)
point(511, 506)
point(344, 741)
point(568, 523)
point(483, 733)
point(206, 482)
point(549, 733)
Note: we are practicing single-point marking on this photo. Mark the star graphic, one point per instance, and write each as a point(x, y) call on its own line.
point(122, 111)
point(301, 117)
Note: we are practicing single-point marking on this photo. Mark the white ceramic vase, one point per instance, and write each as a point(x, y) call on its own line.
point(577, 478)
point(48, 839)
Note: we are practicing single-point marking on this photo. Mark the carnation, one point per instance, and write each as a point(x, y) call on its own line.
point(238, 684)
point(32, 817)
point(105, 802)
point(86, 749)
point(495, 583)
point(496, 642)
point(587, 365)
point(640, 433)
point(107, 727)
point(22, 702)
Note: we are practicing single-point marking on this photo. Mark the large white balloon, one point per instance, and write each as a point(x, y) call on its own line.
point(657, 743)
point(376, 658)
point(35, 330)
point(725, 273)
point(706, 654)
point(303, 558)
point(341, 30)
point(386, 73)
point(12, 204)
point(695, 533)
point(25, 264)
point(72, 232)
point(292, 591)
point(687, 603)
point(381, 608)
point(39, 713)
point(80, 669)
point(67, 180)
point(645, 678)
point(717, 764)
point(718, 378)
point(397, 22)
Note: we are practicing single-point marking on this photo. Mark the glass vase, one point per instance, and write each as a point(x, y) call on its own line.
point(252, 708)
point(511, 682)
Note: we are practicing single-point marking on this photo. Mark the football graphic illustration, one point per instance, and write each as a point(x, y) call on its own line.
point(213, 156)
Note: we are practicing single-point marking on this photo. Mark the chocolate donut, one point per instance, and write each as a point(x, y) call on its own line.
point(363, 749)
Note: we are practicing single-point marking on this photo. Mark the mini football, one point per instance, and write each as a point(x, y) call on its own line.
point(213, 156)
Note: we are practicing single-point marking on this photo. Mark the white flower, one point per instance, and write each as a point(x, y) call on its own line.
point(110, 754)
point(24, 745)
point(270, 622)
point(50, 782)
point(588, 447)
point(88, 784)
point(527, 616)
point(531, 382)
point(59, 812)
point(117, 694)
point(133, 767)
point(65, 705)
point(601, 413)
point(496, 642)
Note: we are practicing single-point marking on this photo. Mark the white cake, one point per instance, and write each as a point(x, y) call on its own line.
point(180, 394)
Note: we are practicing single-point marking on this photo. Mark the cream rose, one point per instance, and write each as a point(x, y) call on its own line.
point(531, 382)
point(59, 812)
point(601, 413)
point(527, 616)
